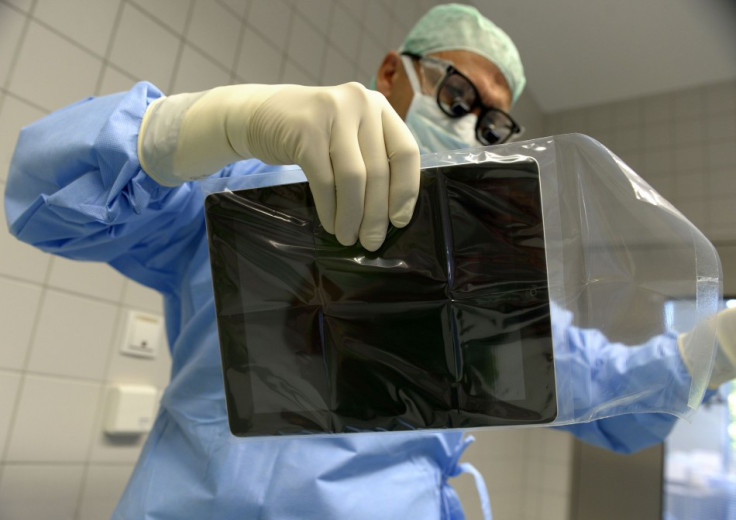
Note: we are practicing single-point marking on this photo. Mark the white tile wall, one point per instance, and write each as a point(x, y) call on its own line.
point(215, 31)
point(683, 143)
point(238, 7)
point(19, 303)
point(306, 47)
point(114, 80)
point(548, 471)
point(376, 16)
point(344, 33)
point(397, 33)
point(16, 113)
point(318, 13)
point(720, 98)
point(21, 5)
point(86, 278)
point(337, 68)
point(529, 116)
point(40, 492)
point(259, 59)
point(86, 324)
point(103, 486)
point(13, 26)
point(9, 385)
point(171, 13)
point(53, 421)
point(272, 20)
point(144, 48)
point(138, 296)
point(292, 73)
point(197, 72)
point(357, 7)
point(59, 346)
point(64, 17)
point(369, 56)
point(61, 59)
point(499, 456)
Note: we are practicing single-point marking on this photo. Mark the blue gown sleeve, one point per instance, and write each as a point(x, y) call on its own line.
point(76, 189)
point(631, 383)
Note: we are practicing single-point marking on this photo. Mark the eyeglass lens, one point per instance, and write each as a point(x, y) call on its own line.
point(457, 96)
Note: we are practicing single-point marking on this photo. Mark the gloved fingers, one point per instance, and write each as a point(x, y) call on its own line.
point(375, 213)
point(350, 178)
point(361, 160)
point(695, 345)
point(403, 154)
point(726, 333)
point(317, 168)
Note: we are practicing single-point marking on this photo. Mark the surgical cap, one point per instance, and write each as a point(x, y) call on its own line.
point(451, 27)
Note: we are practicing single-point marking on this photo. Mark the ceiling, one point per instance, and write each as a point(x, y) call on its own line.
point(586, 52)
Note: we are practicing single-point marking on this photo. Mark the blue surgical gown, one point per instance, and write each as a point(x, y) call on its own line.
point(76, 189)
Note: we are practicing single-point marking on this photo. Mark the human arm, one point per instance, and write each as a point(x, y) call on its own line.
point(632, 382)
point(630, 387)
point(360, 159)
point(655, 372)
point(76, 186)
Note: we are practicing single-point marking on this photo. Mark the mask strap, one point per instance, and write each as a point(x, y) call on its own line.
point(411, 74)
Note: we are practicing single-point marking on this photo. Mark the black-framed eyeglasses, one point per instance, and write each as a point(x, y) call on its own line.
point(457, 96)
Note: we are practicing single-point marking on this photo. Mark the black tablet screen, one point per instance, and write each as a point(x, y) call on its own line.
point(446, 325)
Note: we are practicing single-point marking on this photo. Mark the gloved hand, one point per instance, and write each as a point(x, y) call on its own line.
point(360, 159)
point(723, 327)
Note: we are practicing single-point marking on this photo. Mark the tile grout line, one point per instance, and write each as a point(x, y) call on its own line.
point(323, 60)
point(283, 51)
point(108, 49)
point(182, 44)
point(21, 384)
point(239, 46)
point(14, 61)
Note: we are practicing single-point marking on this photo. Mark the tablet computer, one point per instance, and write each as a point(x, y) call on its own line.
point(447, 325)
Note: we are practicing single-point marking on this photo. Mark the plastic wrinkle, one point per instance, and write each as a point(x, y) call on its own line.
point(533, 286)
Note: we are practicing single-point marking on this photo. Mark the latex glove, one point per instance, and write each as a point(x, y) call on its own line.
point(722, 326)
point(360, 159)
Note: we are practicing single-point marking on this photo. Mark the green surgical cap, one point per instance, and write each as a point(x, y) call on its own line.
point(451, 27)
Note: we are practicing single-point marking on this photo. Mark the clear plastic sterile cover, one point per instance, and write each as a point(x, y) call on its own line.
point(532, 287)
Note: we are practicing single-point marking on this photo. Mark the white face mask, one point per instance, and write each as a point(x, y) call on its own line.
point(433, 130)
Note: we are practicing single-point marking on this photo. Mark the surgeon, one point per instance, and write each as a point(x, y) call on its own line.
point(114, 179)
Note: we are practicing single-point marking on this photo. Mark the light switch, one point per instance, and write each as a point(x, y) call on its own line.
point(143, 335)
point(130, 409)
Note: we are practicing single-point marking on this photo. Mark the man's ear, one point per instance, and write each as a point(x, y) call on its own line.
point(388, 73)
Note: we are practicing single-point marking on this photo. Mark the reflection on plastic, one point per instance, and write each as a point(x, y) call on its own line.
point(617, 254)
point(447, 325)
